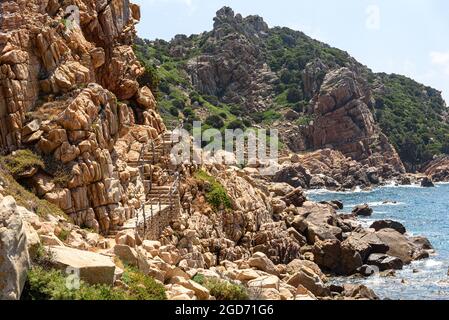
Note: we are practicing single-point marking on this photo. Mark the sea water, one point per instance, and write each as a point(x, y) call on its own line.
point(424, 212)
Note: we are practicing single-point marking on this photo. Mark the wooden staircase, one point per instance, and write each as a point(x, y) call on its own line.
point(162, 199)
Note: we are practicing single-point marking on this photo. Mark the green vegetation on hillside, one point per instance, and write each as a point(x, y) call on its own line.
point(14, 166)
point(51, 284)
point(167, 78)
point(411, 115)
point(221, 289)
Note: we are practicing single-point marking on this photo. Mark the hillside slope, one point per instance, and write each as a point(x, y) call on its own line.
point(243, 73)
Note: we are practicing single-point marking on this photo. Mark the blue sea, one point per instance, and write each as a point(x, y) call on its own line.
point(423, 211)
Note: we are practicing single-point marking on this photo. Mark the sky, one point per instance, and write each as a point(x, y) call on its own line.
point(409, 37)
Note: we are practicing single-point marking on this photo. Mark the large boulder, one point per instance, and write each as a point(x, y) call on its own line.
point(399, 245)
point(297, 264)
point(327, 254)
point(126, 254)
point(351, 259)
point(362, 210)
point(264, 282)
point(388, 224)
point(260, 261)
point(385, 262)
point(358, 292)
point(295, 197)
point(317, 222)
point(295, 175)
point(91, 267)
point(310, 280)
point(14, 256)
point(427, 182)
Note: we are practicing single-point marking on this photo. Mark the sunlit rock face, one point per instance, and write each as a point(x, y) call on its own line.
point(66, 90)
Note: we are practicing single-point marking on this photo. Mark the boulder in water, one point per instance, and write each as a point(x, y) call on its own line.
point(366, 270)
point(427, 182)
point(385, 262)
point(363, 210)
point(388, 224)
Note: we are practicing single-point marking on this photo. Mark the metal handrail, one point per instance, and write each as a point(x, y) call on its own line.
point(174, 187)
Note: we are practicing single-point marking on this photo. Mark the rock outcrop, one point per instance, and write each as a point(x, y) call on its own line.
point(92, 268)
point(344, 122)
point(232, 67)
point(330, 169)
point(438, 169)
point(71, 93)
point(17, 247)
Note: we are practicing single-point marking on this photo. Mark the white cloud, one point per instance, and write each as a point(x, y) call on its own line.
point(440, 59)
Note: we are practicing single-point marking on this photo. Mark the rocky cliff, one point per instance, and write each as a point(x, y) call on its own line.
point(70, 93)
point(343, 121)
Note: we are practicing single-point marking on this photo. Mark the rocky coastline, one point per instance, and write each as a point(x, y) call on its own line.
point(75, 119)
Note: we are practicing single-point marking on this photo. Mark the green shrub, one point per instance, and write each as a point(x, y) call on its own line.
point(236, 124)
point(294, 95)
point(61, 173)
point(142, 287)
point(64, 235)
point(236, 110)
point(151, 79)
point(223, 115)
point(21, 161)
point(178, 104)
point(216, 194)
point(221, 289)
point(299, 107)
point(215, 121)
point(52, 285)
point(174, 111)
point(28, 199)
point(212, 100)
point(188, 113)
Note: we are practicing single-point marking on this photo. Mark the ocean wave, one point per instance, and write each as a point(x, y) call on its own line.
point(432, 263)
point(395, 185)
point(327, 191)
point(385, 203)
point(359, 189)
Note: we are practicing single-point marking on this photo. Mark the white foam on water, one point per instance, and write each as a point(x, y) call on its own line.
point(326, 191)
point(366, 223)
point(385, 203)
point(395, 185)
point(374, 280)
point(431, 263)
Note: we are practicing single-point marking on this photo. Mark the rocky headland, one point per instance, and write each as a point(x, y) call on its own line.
point(86, 184)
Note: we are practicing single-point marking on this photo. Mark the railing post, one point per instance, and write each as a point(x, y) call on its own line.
point(152, 149)
point(144, 220)
point(151, 212)
point(159, 204)
point(171, 199)
point(151, 178)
